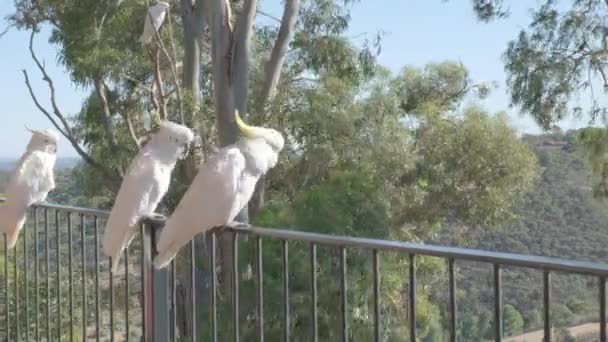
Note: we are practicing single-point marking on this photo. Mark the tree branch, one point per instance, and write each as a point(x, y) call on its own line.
point(173, 68)
point(158, 80)
point(241, 54)
point(221, 43)
point(6, 29)
point(88, 159)
point(64, 128)
point(127, 117)
point(48, 80)
point(108, 126)
point(277, 56)
point(273, 73)
point(40, 107)
point(270, 16)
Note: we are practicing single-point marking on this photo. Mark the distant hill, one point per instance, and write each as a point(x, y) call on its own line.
point(560, 218)
point(8, 164)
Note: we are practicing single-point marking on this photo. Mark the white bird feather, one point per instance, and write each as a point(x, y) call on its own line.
point(30, 182)
point(221, 189)
point(144, 185)
point(154, 19)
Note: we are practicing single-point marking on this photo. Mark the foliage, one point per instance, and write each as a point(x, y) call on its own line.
point(513, 321)
point(559, 55)
point(559, 218)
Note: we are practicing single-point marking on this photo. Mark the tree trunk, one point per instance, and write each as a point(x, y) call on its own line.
point(193, 18)
point(271, 80)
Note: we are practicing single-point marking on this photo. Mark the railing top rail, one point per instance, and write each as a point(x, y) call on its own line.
point(507, 259)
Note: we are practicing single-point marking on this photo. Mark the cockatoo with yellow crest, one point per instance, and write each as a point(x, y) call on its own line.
point(145, 184)
point(30, 182)
point(223, 186)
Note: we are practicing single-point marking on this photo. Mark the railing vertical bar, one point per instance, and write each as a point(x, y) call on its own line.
point(235, 286)
point(313, 292)
point(413, 286)
point(83, 252)
point(260, 287)
point(376, 274)
point(7, 305)
point(547, 303)
point(47, 275)
point(144, 307)
point(153, 282)
point(36, 272)
point(452, 290)
point(343, 294)
point(96, 250)
point(602, 309)
point(213, 287)
point(127, 297)
point(497, 304)
point(173, 300)
point(112, 300)
point(16, 284)
point(26, 286)
point(58, 275)
point(286, 311)
point(158, 292)
point(70, 276)
point(193, 289)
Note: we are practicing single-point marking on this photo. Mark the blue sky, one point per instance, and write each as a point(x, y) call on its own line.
point(417, 32)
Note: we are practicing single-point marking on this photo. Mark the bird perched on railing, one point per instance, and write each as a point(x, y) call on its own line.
point(223, 186)
point(145, 184)
point(155, 15)
point(30, 182)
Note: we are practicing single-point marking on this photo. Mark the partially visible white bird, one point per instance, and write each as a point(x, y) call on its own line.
point(145, 184)
point(30, 182)
point(154, 19)
point(223, 186)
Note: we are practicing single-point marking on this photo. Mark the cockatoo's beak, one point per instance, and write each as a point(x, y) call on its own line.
point(247, 130)
point(54, 148)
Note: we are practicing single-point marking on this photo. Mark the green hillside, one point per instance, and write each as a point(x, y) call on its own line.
point(559, 219)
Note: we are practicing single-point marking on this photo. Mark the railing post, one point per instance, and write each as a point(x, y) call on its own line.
point(156, 290)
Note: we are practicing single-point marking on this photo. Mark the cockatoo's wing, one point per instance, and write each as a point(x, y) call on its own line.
point(154, 19)
point(30, 183)
point(211, 201)
point(142, 189)
point(146, 35)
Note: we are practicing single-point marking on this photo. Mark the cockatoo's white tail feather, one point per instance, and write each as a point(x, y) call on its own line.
point(112, 247)
point(167, 249)
point(164, 259)
point(116, 254)
point(13, 222)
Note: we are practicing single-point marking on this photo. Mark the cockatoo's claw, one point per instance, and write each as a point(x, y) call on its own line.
point(156, 216)
point(238, 224)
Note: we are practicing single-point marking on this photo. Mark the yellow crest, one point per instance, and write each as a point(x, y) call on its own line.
point(243, 127)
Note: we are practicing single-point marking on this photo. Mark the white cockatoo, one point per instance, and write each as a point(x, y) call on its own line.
point(145, 184)
point(223, 186)
point(154, 19)
point(30, 182)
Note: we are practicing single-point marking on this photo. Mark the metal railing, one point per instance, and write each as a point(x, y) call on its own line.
point(77, 298)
